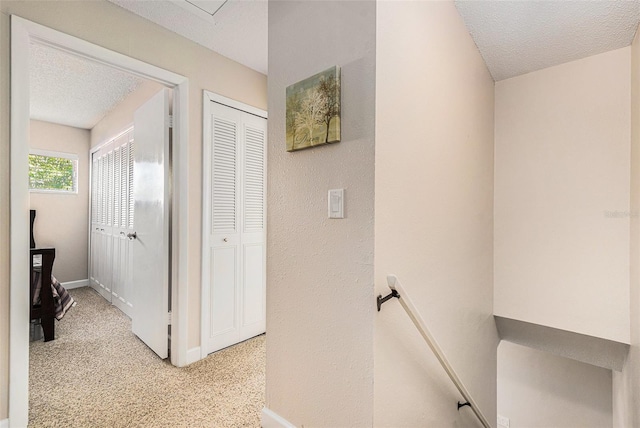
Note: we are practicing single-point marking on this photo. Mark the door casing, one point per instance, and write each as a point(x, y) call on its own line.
point(23, 33)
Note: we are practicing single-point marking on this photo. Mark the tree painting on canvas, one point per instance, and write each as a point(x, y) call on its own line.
point(313, 110)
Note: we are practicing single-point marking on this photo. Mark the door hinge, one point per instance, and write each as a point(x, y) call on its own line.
point(169, 317)
point(170, 121)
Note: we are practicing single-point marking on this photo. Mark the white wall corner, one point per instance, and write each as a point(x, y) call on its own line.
point(193, 355)
point(4, 423)
point(271, 419)
point(70, 285)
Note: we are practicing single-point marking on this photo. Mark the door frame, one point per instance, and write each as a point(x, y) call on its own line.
point(23, 33)
point(207, 98)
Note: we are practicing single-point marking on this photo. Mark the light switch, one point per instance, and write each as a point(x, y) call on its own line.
point(336, 203)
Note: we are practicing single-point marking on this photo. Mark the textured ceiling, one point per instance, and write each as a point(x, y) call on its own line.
point(517, 37)
point(73, 91)
point(236, 29)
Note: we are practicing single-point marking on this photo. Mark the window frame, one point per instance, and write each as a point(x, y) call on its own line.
point(54, 154)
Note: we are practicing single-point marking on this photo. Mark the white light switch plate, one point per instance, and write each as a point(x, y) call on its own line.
point(503, 421)
point(336, 203)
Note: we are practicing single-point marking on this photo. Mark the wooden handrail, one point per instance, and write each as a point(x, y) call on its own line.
point(398, 292)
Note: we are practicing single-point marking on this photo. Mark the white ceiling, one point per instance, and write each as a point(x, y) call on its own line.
point(517, 37)
point(72, 91)
point(514, 37)
point(236, 29)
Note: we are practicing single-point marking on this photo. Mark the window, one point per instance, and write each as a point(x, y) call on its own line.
point(53, 172)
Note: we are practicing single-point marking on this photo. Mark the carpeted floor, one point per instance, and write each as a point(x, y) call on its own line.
point(98, 374)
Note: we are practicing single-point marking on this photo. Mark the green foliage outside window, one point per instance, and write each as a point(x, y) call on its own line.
point(51, 173)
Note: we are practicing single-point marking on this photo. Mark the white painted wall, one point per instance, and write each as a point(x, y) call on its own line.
point(320, 303)
point(434, 215)
point(538, 389)
point(562, 196)
point(61, 219)
point(626, 384)
point(112, 27)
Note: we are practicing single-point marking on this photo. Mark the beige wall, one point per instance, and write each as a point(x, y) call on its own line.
point(538, 389)
point(319, 271)
point(626, 384)
point(562, 196)
point(121, 117)
point(61, 219)
point(107, 25)
point(434, 215)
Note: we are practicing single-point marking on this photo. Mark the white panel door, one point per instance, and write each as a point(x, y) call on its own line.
point(253, 236)
point(111, 221)
point(224, 231)
point(100, 232)
point(150, 250)
point(234, 253)
point(120, 278)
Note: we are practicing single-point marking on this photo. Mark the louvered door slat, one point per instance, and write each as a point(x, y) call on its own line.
point(94, 189)
point(117, 178)
point(124, 159)
point(130, 202)
point(110, 192)
point(103, 190)
point(254, 180)
point(224, 157)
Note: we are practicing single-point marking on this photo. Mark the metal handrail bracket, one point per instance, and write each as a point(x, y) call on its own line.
point(410, 309)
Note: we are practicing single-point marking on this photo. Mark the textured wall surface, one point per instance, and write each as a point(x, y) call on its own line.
point(434, 215)
point(320, 271)
point(110, 26)
point(562, 196)
point(537, 389)
point(62, 219)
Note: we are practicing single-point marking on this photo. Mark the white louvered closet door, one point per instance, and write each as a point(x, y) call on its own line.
point(111, 220)
point(235, 227)
point(100, 233)
point(121, 290)
point(95, 224)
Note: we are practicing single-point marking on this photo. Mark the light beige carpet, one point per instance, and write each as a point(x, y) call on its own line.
point(98, 374)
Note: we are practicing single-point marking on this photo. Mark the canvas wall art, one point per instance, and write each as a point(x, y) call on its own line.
point(313, 110)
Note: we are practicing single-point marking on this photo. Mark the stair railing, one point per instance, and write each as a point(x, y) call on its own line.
point(398, 292)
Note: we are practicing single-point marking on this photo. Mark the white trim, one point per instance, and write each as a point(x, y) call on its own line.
point(205, 264)
point(193, 355)
point(55, 192)
point(70, 285)
point(73, 157)
point(19, 225)
point(4, 423)
point(53, 154)
point(271, 419)
point(23, 33)
point(233, 103)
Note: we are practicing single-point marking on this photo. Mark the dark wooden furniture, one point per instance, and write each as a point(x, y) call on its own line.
point(45, 309)
point(32, 214)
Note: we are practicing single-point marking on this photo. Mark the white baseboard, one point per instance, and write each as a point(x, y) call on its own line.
point(193, 355)
point(271, 419)
point(69, 285)
point(4, 423)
